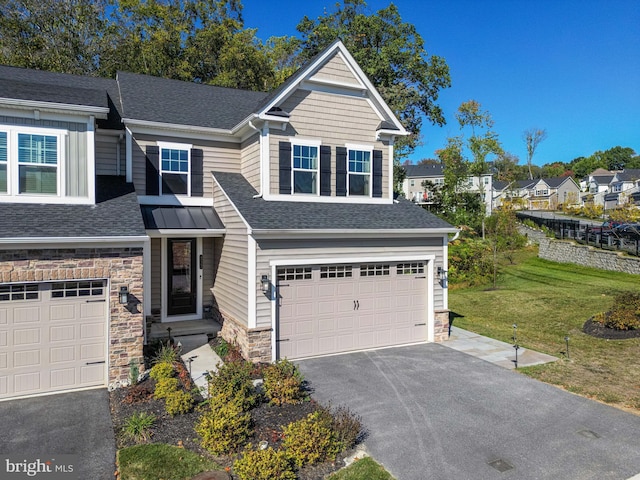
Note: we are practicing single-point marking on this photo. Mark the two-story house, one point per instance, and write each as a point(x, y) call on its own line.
point(549, 193)
point(143, 197)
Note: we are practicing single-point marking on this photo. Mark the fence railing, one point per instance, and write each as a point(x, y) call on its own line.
point(588, 234)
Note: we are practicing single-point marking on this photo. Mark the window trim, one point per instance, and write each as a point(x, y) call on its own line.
point(360, 148)
point(174, 146)
point(13, 164)
point(298, 142)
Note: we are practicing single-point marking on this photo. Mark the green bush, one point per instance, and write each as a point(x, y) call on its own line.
point(225, 426)
point(167, 353)
point(162, 370)
point(311, 440)
point(233, 380)
point(222, 347)
point(267, 464)
point(138, 427)
point(165, 387)
point(346, 426)
point(178, 402)
point(283, 383)
point(625, 313)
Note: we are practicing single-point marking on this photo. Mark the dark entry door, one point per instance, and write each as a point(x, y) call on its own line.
point(182, 281)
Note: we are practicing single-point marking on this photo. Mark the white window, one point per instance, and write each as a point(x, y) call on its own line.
point(439, 181)
point(486, 180)
point(31, 160)
point(542, 193)
point(294, 273)
point(410, 268)
point(305, 169)
point(413, 183)
point(336, 271)
point(175, 169)
point(359, 171)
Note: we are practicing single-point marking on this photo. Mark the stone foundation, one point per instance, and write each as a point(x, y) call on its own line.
point(255, 344)
point(121, 266)
point(441, 326)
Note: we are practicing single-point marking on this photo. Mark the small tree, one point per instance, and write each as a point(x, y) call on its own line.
point(503, 236)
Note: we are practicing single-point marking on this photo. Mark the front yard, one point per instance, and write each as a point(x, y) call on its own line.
point(549, 301)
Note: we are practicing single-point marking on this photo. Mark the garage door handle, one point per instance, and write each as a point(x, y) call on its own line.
point(95, 363)
point(358, 302)
point(95, 301)
point(420, 324)
point(421, 277)
point(283, 340)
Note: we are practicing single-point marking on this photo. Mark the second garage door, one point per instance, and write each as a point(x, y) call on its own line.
point(325, 309)
point(52, 337)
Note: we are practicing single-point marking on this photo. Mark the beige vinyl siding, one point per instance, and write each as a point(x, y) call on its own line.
point(207, 270)
point(250, 160)
point(218, 156)
point(336, 70)
point(75, 162)
point(230, 288)
point(156, 274)
point(107, 155)
point(335, 120)
point(343, 248)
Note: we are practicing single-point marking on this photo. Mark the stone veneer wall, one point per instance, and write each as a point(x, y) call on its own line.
point(441, 330)
point(255, 344)
point(564, 251)
point(122, 266)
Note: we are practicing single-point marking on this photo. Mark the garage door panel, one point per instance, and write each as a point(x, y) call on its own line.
point(326, 290)
point(304, 327)
point(326, 345)
point(327, 324)
point(49, 335)
point(366, 322)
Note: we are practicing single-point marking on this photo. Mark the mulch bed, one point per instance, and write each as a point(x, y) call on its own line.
point(179, 430)
point(598, 330)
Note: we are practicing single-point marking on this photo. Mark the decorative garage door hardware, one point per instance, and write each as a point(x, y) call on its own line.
point(356, 305)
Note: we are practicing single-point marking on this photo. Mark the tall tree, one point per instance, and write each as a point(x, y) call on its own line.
point(532, 138)
point(392, 54)
point(483, 141)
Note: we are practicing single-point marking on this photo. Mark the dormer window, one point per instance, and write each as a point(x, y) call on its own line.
point(175, 171)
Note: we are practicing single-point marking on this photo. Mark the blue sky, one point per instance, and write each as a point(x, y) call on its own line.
point(571, 67)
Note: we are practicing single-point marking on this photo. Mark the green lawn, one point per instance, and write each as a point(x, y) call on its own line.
point(547, 301)
point(159, 461)
point(364, 469)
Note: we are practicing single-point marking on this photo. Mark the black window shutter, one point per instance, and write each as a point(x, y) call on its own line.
point(285, 168)
point(325, 170)
point(377, 173)
point(341, 171)
point(197, 157)
point(152, 171)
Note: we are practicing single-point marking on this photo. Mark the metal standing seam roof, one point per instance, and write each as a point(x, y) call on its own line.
point(180, 218)
point(261, 214)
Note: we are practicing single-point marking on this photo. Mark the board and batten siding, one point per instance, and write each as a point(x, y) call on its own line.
point(230, 286)
point(107, 155)
point(250, 160)
point(207, 270)
point(75, 161)
point(335, 120)
point(156, 274)
point(335, 70)
point(305, 250)
point(218, 156)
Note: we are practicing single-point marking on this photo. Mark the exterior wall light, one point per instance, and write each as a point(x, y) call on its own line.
point(442, 273)
point(265, 284)
point(123, 295)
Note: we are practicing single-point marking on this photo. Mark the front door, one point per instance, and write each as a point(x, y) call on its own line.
point(182, 280)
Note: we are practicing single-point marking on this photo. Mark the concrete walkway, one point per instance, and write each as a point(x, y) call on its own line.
point(494, 351)
point(199, 358)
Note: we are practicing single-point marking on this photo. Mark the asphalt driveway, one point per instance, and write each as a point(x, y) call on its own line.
point(434, 413)
point(77, 423)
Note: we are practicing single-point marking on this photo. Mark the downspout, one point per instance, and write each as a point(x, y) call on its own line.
point(251, 125)
point(119, 153)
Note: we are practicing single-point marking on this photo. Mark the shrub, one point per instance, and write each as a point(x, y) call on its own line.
point(625, 313)
point(165, 386)
point(167, 353)
point(311, 440)
point(138, 393)
point(283, 383)
point(233, 381)
point(346, 426)
point(222, 347)
point(162, 370)
point(134, 373)
point(267, 464)
point(183, 375)
point(178, 402)
point(138, 427)
point(225, 426)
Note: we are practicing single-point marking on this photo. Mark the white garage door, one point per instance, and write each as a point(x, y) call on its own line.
point(52, 337)
point(339, 308)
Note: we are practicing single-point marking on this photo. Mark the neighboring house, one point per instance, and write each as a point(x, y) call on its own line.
point(611, 188)
point(416, 175)
point(273, 212)
point(549, 193)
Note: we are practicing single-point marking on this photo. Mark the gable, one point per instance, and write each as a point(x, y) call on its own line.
point(336, 70)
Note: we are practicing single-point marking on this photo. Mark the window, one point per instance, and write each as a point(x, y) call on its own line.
point(486, 180)
point(542, 193)
point(38, 163)
point(359, 178)
point(336, 271)
point(374, 270)
point(410, 268)
point(305, 169)
point(413, 183)
point(3, 162)
point(294, 273)
point(87, 288)
point(18, 292)
point(439, 181)
point(175, 169)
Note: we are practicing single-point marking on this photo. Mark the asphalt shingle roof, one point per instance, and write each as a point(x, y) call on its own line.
point(279, 215)
point(163, 100)
point(115, 214)
point(431, 170)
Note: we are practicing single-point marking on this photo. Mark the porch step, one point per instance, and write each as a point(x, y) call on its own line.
point(207, 327)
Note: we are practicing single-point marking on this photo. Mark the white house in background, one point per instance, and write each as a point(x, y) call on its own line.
point(612, 188)
point(413, 188)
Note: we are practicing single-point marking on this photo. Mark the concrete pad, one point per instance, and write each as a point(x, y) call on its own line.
point(199, 358)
